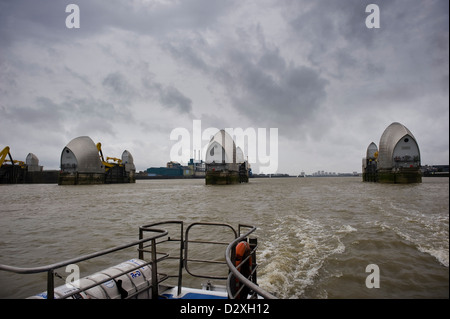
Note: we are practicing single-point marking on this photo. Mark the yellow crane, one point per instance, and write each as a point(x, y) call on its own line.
point(6, 152)
point(107, 164)
point(115, 159)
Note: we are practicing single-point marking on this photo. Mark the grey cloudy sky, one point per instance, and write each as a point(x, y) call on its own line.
point(136, 70)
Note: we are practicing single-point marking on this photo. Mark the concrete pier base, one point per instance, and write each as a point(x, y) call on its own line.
point(118, 174)
point(370, 177)
point(222, 178)
point(42, 177)
point(402, 176)
point(224, 174)
point(76, 178)
point(12, 174)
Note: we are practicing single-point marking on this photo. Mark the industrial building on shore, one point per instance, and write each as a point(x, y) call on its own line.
point(396, 160)
point(194, 169)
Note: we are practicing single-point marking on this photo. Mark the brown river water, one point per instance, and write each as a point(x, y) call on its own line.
point(316, 235)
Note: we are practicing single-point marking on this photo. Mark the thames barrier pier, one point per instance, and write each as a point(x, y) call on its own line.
point(369, 170)
point(82, 163)
point(397, 160)
point(225, 163)
point(28, 172)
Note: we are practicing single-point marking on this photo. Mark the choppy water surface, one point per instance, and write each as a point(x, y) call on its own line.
point(316, 235)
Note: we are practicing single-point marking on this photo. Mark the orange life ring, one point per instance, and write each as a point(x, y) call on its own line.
point(243, 250)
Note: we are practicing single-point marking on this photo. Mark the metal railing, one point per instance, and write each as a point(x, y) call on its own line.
point(235, 275)
point(144, 248)
point(184, 239)
point(50, 269)
point(187, 260)
point(149, 245)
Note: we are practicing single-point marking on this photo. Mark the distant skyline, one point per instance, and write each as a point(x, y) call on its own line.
point(136, 70)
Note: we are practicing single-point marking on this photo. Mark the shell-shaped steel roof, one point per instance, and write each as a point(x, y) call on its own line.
point(127, 158)
point(240, 158)
point(391, 136)
point(86, 154)
point(371, 150)
point(226, 142)
point(32, 159)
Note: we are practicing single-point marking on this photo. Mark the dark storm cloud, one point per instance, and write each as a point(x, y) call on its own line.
point(169, 96)
point(310, 68)
point(395, 71)
point(328, 25)
point(117, 84)
point(412, 32)
point(189, 53)
point(43, 113)
point(172, 98)
point(44, 20)
point(275, 94)
point(30, 19)
point(83, 108)
point(260, 84)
